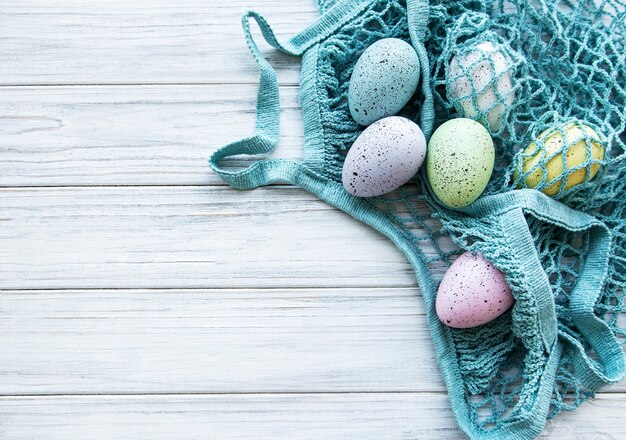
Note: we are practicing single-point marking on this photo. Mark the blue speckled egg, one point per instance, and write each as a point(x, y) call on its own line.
point(384, 157)
point(384, 79)
point(460, 161)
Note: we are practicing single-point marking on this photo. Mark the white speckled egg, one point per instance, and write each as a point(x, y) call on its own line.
point(384, 157)
point(460, 162)
point(481, 86)
point(383, 80)
point(472, 292)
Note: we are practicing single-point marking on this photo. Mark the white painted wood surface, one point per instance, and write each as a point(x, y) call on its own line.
point(231, 340)
point(140, 41)
point(203, 236)
point(130, 135)
point(141, 298)
point(372, 416)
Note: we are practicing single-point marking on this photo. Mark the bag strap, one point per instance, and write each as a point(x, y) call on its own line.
point(417, 16)
point(266, 171)
point(510, 207)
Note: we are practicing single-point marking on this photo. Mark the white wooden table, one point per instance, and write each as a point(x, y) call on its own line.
point(143, 299)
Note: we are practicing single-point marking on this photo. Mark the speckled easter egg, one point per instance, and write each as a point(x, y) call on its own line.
point(472, 292)
point(570, 141)
point(480, 83)
point(383, 80)
point(384, 157)
point(460, 162)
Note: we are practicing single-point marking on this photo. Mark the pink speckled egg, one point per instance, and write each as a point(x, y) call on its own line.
point(472, 292)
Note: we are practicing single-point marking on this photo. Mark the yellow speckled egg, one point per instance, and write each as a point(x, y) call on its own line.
point(573, 145)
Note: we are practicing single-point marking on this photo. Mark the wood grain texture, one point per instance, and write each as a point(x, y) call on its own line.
point(215, 341)
point(160, 237)
point(401, 416)
point(141, 41)
point(258, 417)
point(130, 135)
point(140, 298)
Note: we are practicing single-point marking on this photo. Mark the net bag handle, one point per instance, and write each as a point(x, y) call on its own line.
point(510, 208)
point(267, 171)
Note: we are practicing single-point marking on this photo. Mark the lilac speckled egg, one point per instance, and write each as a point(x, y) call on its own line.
point(472, 292)
point(384, 157)
point(383, 80)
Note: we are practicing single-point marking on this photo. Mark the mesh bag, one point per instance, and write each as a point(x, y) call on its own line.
point(562, 248)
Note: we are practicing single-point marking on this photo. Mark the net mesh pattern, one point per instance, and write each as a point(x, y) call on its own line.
point(567, 64)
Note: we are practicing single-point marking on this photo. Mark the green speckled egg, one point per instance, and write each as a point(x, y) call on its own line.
point(459, 161)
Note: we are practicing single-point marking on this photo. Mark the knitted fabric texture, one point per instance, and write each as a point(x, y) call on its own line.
point(563, 256)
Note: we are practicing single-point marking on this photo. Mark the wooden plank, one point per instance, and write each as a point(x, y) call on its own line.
point(272, 416)
point(132, 135)
point(197, 237)
point(216, 341)
point(210, 341)
point(141, 42)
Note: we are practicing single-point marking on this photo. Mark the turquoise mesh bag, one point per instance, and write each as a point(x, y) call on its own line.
point(563, 256)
